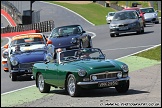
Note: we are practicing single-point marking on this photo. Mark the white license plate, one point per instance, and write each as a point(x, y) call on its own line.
point(106, 84)
point(123, 28)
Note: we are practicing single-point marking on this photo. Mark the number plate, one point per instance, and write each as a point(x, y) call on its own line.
point(123, 28)
point(106, 84)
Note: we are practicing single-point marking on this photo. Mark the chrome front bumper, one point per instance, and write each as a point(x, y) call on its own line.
point(96, 82)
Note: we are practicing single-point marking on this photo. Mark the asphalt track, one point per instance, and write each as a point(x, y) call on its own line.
point(32, 93)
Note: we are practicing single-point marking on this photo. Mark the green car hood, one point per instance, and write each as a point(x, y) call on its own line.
point(96, 64)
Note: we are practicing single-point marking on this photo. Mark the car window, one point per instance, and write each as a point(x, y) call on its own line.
point(148, 10)
point(66, 31)
point(111, 14)
point(125, 15)
point(79, 54)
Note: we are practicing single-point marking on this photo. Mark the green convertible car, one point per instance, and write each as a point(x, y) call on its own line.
point(86, 68)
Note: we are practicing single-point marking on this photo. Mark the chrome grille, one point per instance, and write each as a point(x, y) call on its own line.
point(105, 75)
point(27, 65)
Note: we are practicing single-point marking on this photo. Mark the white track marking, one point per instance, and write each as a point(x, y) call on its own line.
point(7, 20)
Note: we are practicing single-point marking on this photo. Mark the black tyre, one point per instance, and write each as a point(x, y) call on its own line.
point(81, 44)
point(112, 35)
point(42, 86)
point(122, 87)
point(90, 43)
point(72, 88)
point(13, 76)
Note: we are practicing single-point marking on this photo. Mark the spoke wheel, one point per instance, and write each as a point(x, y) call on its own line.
point(43, 87)
point(72, 87)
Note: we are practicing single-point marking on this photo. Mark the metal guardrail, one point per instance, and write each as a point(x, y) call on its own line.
point(45, 26)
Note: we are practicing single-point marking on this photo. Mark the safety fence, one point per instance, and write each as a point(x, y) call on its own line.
point(45, 26)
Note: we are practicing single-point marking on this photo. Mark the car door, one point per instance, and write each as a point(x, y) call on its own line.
point(51, 73)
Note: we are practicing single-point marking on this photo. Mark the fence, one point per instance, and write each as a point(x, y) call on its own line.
point(45, 26)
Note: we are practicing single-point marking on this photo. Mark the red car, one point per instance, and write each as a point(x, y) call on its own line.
point(140, 13)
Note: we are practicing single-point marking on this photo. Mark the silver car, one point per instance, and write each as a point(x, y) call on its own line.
point(150, 15)
point(109, 17)
point(126, 21)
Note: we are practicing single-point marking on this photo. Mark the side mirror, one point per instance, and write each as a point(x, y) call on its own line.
point(143, 12)
point(6, 46)
point(156, 11)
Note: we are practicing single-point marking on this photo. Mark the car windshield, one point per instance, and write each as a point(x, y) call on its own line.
point(111, 14)
point(66, 31)
point(81, 54)
point(148, 10)
point(125, 15)
point(27, 40)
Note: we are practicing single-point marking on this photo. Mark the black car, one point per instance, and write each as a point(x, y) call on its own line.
point(70, 37)
point(126, 21)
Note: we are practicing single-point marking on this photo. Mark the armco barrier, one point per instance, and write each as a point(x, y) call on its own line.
point(45, 26)
point(17, 33)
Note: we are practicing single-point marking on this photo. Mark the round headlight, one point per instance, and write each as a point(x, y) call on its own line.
point(119, 75)
point(82, 73)
point(14, 62)
point(125, 68)
point(74, 40)
point(5, 54)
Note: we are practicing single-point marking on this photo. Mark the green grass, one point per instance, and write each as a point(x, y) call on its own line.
point(93, 12)
point(154, 53)
point(123, 3)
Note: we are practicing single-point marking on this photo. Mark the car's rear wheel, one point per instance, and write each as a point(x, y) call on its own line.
point(72, 88)
point(42, 85)
point(13, 76)
point(122, 87)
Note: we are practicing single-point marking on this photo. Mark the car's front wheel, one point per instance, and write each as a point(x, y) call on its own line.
point(112, 35)
point(72, 88)
point(122, 87)
point(90, 43)
point(42, 85)
point(13, 76)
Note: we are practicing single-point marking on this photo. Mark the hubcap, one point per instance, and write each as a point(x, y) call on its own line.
point(71, 85)
point(41, 82)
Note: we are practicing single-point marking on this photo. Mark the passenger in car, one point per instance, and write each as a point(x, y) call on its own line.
point(17, 49)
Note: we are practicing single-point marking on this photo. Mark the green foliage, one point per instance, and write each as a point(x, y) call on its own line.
point(154, 53)
point(123, 3)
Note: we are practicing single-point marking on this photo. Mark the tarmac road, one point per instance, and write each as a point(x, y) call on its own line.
point(145, 83)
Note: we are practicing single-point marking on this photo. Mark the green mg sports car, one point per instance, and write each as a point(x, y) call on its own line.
point(77, 69)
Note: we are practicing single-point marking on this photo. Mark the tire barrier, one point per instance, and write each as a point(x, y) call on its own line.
point(45, 26)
